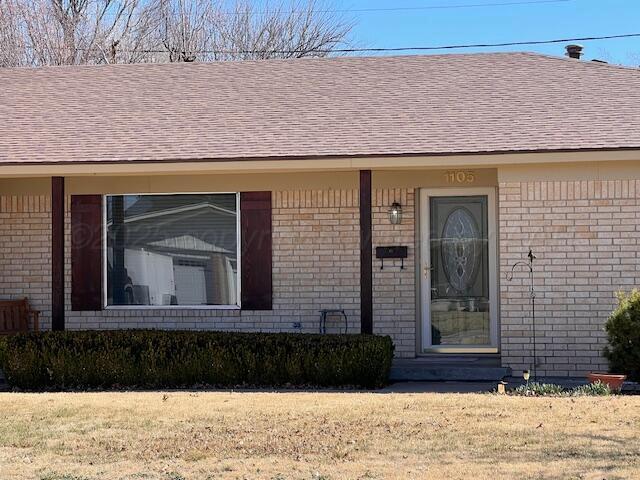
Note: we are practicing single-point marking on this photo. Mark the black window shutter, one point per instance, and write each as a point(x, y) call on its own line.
point(256, 250)
point(86, 252)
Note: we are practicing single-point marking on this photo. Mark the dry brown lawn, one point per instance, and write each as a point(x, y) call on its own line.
point(211, 435)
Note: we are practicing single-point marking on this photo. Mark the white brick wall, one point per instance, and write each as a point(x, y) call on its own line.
point(585, 235)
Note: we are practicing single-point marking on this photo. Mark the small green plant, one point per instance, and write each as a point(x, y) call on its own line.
point(536, 389)
point(623, 334)
point(592, 389)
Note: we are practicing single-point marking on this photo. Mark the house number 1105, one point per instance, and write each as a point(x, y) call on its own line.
point(460, 176)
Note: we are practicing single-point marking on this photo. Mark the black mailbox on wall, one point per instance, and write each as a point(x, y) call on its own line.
point(390, 252)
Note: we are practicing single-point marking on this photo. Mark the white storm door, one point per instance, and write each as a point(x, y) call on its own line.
point(459, 270)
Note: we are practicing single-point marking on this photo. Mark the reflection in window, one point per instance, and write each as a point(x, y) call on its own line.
point(172, 249)
point(459, 290)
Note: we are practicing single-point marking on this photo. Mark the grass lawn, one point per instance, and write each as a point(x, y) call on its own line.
point(183, 435)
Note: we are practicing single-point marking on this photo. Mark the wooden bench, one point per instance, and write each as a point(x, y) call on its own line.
point(16, 315)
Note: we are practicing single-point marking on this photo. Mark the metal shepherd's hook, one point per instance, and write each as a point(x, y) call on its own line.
point(532, 296)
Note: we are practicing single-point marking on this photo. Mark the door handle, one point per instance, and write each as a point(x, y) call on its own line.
point(426, 270)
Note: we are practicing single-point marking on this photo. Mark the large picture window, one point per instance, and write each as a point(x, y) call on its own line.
point(172, 250)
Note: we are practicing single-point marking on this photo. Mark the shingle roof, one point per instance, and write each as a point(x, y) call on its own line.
point(436, 104)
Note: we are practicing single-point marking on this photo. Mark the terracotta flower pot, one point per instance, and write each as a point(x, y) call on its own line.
point(614, 381)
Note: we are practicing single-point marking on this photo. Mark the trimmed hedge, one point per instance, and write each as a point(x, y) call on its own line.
point(165, 359)
point(3, 347)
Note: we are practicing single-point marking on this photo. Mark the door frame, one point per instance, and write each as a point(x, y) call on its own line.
point(425, 261)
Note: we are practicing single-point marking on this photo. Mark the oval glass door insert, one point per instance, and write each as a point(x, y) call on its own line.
point(461, 252)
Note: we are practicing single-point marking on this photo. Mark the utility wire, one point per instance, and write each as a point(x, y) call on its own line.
point(389, 49)
point(480, 45)
point(425, 7)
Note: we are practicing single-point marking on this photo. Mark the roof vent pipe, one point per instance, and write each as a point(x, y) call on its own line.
point(574, 51)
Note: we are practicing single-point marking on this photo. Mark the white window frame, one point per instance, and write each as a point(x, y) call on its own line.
point(106, 306)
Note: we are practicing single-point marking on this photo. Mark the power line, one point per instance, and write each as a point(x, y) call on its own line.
point(372, 49)
point(476, 45)
point(425, 7)
point(392, 49)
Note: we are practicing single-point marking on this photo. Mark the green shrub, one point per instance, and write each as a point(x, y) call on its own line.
point(623, 333)
point(164, 359)
point(3, 348)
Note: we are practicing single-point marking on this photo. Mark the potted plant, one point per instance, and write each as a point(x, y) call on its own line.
point(623, 335)
point(614, 381)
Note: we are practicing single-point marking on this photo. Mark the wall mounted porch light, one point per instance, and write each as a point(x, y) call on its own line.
point(395, 213)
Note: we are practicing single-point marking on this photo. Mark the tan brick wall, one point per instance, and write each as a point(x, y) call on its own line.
point(316, 243)
point(25, 251)
point(394, 292)
point(316, 256)
point(316, 265)
point(585, 235)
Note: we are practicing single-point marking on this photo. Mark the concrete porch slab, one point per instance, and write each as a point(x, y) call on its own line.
point(439, 387)
point(448, 369)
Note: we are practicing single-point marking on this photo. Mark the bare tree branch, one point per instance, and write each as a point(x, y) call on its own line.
point(12, 36)
point(68, 32)
point(297, 29)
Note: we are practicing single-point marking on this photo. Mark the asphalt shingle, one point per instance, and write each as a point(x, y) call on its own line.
point(310, 108)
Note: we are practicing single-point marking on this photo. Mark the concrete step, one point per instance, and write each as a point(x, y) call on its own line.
point(467, 359)
point(419, 370)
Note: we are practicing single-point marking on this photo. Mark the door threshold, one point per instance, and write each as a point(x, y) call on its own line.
point(450, 361)
point(457, 355)
point(459, 351)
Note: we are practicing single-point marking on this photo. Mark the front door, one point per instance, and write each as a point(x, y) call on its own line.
point(459, 281)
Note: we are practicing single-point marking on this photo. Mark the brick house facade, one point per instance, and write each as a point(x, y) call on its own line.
point(575, 203)
point(583, 232)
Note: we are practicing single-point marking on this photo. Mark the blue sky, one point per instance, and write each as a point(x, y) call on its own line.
point(491, 24)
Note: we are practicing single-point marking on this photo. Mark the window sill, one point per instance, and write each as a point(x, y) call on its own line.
point(172, 307)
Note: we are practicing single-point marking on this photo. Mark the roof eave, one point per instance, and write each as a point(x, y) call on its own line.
point(329, 162)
